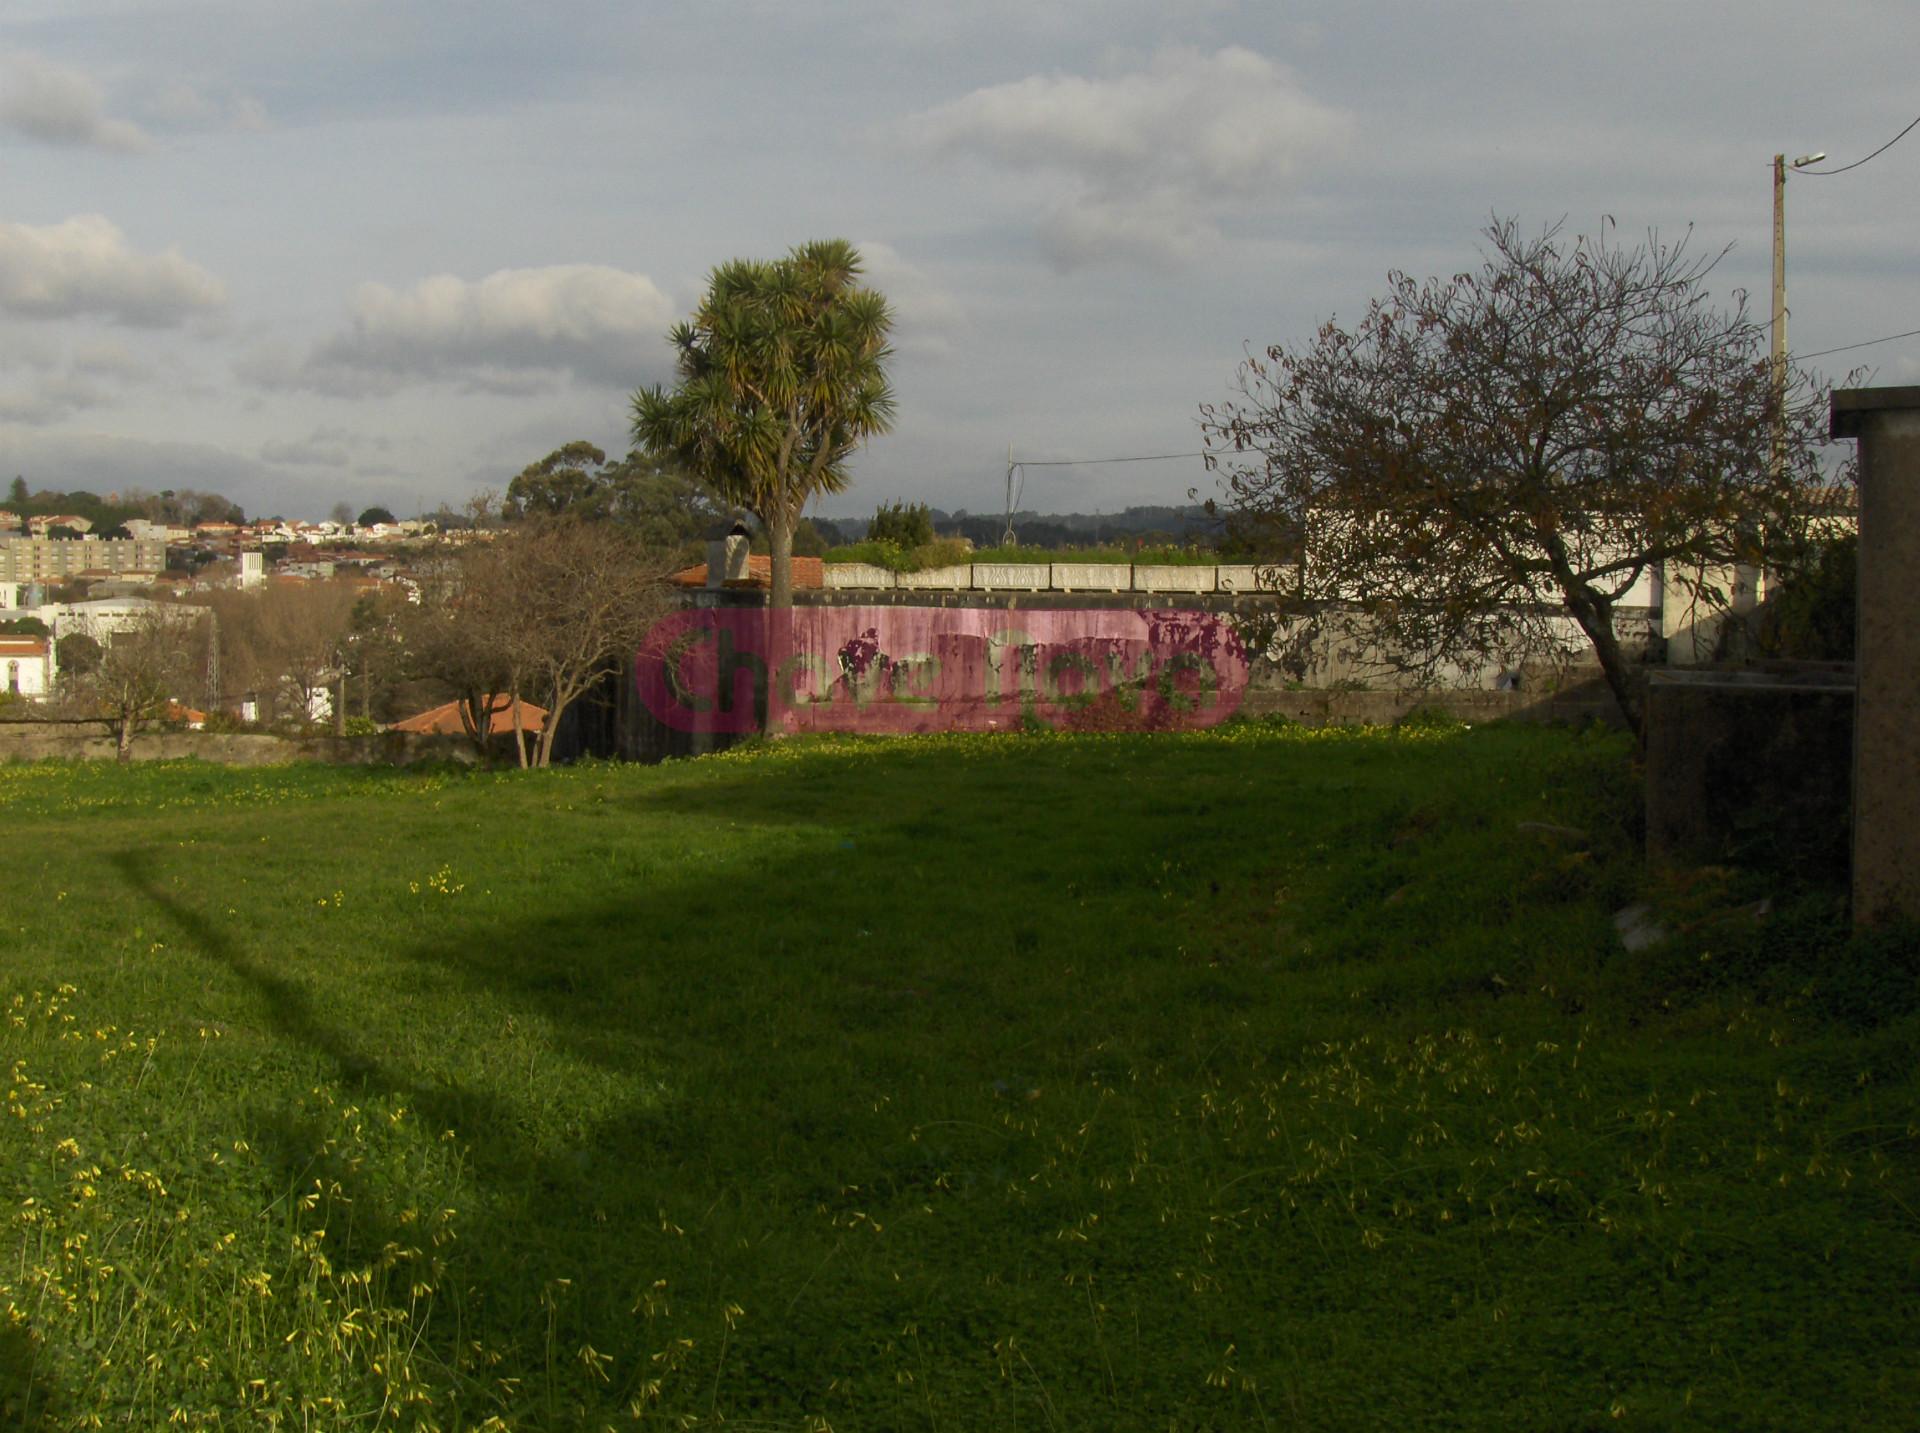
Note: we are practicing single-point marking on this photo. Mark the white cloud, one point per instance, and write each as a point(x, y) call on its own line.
point(1148, 157)
point(58, 105)
point(927, 317)
point(84, 268)
point(510, 332)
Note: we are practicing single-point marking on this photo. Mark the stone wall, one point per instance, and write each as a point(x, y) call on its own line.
point(24, 741)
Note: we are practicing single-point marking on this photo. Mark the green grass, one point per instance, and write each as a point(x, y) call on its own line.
point(1252, 1079)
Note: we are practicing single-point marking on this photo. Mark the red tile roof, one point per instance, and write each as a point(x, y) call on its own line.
point(808, 572)
point(446, 720)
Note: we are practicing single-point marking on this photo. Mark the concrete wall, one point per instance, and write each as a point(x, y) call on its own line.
point(1750, 765)
point(1091, 577)
point(1323, 647)
point(857, 576)
point(29, 742)
point(1886, 757)
point(945, 579)
point(1012, 576)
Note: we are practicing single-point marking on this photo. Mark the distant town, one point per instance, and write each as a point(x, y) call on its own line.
point(299, 606)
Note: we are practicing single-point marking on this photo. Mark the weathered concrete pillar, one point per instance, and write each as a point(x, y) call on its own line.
point(1886, 728)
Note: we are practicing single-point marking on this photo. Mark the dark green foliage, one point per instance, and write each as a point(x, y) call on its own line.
point(185, 506)
point(1811, 616)
point(781, 373)
point(78, 654)
point(808, 540)
point(373, 516)
point(663, 504)
point(907, 525)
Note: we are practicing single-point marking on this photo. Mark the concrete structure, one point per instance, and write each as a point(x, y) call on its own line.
point(1249, 577)
point(1886, 752)
point(32, 742)
point(938, 579)
point(41, 559)
point(1012, 576)
point(727, 559)
point(253, 568)
point(1174, 579)
point(1092, 577)
point(857, 576)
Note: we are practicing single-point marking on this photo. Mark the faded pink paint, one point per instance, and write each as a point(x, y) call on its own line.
point(905, 669)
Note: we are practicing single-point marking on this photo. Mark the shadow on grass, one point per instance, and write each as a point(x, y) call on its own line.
point(26, 1401)
point(575, 1201)
point(734, 1023)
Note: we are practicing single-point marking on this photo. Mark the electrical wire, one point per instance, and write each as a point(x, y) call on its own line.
point(1858, 162)
point(1090, 462)
point(1865, 343)
point(1017, 474)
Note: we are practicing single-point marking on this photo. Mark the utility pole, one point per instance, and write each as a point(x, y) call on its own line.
point(1779, 294)
point(1780, 299)
point(1007, 537)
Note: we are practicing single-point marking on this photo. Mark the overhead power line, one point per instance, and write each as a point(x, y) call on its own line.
point(1090, 462)
point(1865, 343)
point(1017, 474)
point(1875, 155)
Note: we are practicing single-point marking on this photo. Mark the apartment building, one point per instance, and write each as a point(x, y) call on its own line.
point(41, 559)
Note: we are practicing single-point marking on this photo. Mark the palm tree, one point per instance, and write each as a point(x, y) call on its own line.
point(782, 373)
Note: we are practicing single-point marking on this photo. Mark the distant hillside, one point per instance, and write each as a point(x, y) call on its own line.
point(1155, 525)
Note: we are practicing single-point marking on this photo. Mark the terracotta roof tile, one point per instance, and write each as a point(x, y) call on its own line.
point(809, 573)
point(445, 720)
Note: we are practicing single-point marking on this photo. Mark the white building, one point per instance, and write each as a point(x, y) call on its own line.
point(26, 667)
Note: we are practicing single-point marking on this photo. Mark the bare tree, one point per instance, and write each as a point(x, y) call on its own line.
point(1484, 457)
point(305, 626)
point(450, 637)
point(576, 596)
point(143, 666)
point(539, 615)
point(284, 641)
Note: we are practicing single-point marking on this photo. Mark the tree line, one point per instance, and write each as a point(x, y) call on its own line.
point(182, 506)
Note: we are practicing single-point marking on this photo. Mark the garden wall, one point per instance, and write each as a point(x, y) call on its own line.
point(26, 742)
point(1751, 765)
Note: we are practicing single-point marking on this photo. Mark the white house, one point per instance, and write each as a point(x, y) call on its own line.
point(26, 666)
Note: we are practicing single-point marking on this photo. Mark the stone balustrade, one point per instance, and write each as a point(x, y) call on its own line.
point(1154, 578)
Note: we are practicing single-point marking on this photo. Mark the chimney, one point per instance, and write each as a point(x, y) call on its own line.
point(727, 558)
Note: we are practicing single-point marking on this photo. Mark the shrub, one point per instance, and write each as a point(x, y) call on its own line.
point(895, 522)
point(1812, 616)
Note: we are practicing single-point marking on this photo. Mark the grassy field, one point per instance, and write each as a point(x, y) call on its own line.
point(1253, 1079)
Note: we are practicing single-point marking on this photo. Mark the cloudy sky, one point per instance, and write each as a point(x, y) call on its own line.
point(392, 252)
